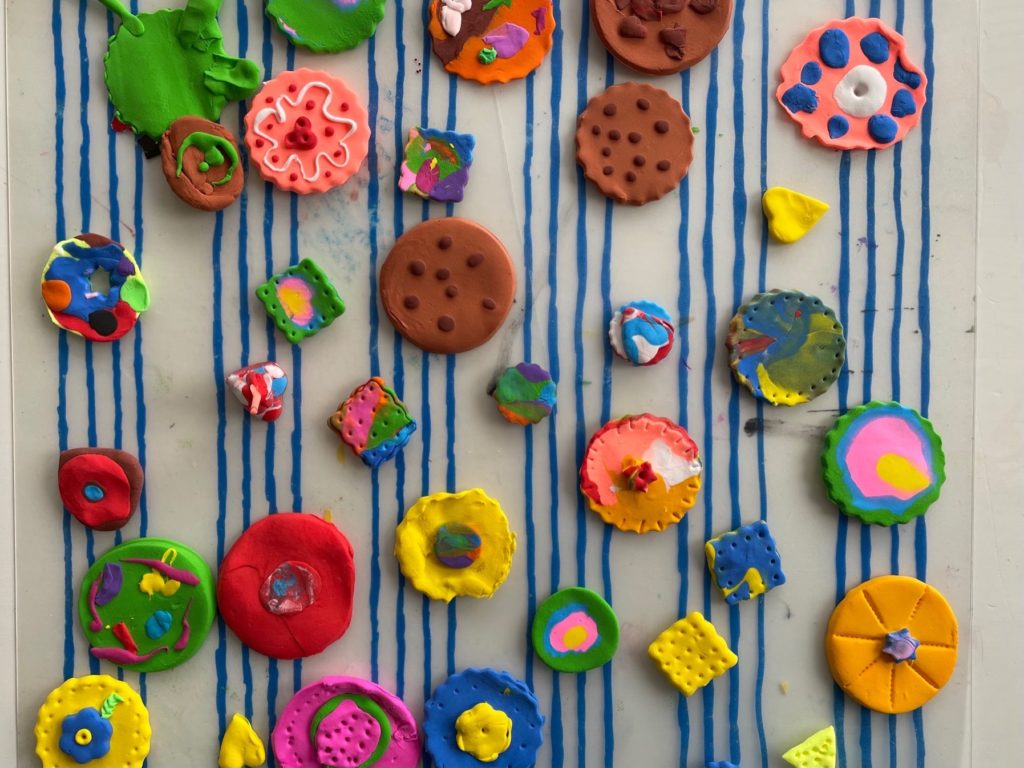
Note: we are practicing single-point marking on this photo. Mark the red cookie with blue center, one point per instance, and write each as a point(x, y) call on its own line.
point(100, 487)
point(285, 587)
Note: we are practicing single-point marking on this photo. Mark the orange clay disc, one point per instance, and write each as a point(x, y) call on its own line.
point(891, 643)
point(641, 473)
point(491, 41)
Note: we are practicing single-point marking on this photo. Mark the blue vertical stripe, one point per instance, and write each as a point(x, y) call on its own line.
point(220, 655)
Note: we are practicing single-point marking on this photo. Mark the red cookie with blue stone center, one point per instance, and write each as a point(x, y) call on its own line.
point(285, 587)
point(100, 487)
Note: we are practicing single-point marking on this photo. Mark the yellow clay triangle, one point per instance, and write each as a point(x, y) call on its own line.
point(241, 746)
point(790, 214)
point(818, 751)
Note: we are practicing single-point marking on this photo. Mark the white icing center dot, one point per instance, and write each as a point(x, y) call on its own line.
point(862, 92)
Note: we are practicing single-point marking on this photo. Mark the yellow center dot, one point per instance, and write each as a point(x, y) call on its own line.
point(484, 732)
point(83, 737)
point(575, 637)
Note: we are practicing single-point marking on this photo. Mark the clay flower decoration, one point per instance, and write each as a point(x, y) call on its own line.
point(307, 131)
point(85, 735)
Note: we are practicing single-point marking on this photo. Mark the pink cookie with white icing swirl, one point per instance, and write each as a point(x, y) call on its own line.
point(307, 131)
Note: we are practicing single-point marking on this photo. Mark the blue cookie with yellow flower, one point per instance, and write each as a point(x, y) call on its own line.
point(482, 717)
point(94, 720)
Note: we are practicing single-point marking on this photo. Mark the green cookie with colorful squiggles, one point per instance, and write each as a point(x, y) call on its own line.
point(327, 26)
point(163, 65)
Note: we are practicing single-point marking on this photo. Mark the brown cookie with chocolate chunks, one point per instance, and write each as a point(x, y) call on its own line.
point(661, 37)
point(201, 162)
point(447, 285)
point(634, 142)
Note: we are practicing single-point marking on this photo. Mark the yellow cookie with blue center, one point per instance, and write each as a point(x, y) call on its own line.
point(95, 720)
point(455, 544)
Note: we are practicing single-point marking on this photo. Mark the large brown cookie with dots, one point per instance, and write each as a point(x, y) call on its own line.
point(447, 285)
point(634, 142)
point(660, 37)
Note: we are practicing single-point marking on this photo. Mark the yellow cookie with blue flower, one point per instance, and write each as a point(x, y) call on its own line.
point(97, 721)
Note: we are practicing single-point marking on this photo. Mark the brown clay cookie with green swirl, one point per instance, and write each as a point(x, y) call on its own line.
point(201, 162)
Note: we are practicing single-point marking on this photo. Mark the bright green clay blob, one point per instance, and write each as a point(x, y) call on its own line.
point(213, 148)
point(326, 26)
point(172, 63)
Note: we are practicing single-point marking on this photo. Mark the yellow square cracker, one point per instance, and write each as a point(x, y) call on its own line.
point(691, 653)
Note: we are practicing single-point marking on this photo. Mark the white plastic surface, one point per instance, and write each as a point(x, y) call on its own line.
point(207, 467)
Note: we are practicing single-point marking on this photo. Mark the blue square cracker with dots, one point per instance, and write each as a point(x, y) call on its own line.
point(745, 563)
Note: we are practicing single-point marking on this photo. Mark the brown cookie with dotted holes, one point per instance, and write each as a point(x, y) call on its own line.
point(634, 142)
point(201, 163)
point(447, 285)
point(660, 37)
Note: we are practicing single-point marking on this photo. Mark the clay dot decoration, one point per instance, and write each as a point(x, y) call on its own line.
point(307, 131)
point(785, 347)
point(344, 722)
point(285, 587)
point(449, 515)
point(491, 41)
point(641, 473)
point(641, 333)
point(883, 463)
point(634, 142)
point(575, 630)
point(892, 643)
point(525, 394)
point(76, 305)
point(200, 161)
point(457, 545)
point(481, 717)
point(100, 487)
point(373, 422)
point(432, 258)
point(326, 26)
point(850, 85)
point(95, 719)
point(147, 604)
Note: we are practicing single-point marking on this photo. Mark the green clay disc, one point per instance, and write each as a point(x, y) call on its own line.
point(575, 630)
point(327, 26)
point(883, 463)
point(150, 615)
point(176, 67)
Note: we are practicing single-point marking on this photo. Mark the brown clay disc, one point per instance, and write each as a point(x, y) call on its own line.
point(660, 37)
point(447, 285)
point(634, 142)
point(205, 190)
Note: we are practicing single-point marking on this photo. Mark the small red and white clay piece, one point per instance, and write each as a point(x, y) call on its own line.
point(641, 333)
point(260, 388)
point(100, 487)
point(307, 131)
point(850, 85)
point(285, 587)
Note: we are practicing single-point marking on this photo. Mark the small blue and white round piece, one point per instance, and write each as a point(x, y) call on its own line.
point(503, 693)
point(861, 92)
point(641, 333)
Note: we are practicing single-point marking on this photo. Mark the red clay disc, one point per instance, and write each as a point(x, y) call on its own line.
point(285, 587)
point(99, 486)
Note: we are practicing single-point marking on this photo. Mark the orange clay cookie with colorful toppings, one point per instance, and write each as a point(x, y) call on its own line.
point(892, 643)
point(641, 473)
point(491, 41)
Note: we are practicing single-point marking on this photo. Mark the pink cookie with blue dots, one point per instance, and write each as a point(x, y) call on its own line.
point(850, 85)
